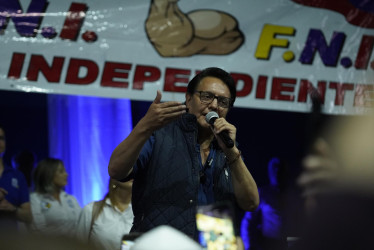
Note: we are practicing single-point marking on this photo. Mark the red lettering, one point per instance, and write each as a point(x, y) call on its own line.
point(340, 91)
point(145, 74)
point(281, 85)
point(175, 76)
point(73, 77)
point(307, 87)
point(73, 21)
point(16, 65)
point(114, 70)
point(364, 53)
point(364, 94)
point(39, 64)
point(248, 83)
point(261, 87)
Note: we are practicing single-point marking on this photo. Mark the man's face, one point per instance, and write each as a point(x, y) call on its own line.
point(199, 109)
point(2, 142)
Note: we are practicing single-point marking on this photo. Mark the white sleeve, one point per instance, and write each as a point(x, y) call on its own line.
point(38, 219)
point(84, 222)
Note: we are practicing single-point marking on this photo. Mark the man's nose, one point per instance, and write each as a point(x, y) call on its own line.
point(214, 104)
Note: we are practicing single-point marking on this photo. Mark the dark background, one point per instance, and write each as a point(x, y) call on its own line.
point(24, 117)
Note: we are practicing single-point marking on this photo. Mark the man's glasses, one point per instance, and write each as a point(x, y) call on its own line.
point(208, 97)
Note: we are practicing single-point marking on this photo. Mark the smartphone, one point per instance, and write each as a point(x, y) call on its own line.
point(216, 228)
point(128, 240)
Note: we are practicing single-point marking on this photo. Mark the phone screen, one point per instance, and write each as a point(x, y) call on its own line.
point(127, 244)
point(215, 226)
point(128, 240)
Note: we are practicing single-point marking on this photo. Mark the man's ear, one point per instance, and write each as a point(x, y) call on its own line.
point(188, 98)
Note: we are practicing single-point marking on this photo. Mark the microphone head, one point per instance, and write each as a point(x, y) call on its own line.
point(211, 117)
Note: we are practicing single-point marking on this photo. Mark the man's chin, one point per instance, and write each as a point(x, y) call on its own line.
point(205, 127)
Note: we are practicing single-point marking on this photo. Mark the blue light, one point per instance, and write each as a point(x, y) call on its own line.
point(83, 132)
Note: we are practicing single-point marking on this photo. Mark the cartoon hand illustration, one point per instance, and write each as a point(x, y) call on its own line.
point(174, 33)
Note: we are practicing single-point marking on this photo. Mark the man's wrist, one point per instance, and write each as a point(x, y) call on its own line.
point(232, 160)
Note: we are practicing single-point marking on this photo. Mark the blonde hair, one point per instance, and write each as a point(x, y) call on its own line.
point(110, 195)
point(44, 173)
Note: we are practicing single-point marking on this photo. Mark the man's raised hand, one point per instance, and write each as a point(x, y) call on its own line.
point(159, 114)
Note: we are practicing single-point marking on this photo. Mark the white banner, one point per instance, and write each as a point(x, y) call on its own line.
point(277, 50)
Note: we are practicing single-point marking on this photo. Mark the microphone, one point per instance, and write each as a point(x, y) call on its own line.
point(210, 118)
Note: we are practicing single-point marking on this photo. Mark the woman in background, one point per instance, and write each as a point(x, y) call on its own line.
point(103, 223)
point(54, 211)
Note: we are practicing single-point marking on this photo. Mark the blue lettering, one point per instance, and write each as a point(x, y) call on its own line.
point(316, 42)
point(27, 23)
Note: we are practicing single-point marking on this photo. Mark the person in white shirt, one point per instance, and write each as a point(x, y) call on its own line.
point(103, 223)
point(54, 211)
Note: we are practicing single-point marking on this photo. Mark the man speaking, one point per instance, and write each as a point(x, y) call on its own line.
point(179, 161)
